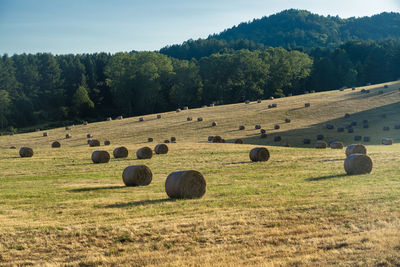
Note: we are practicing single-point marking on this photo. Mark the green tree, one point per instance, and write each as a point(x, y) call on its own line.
point(4, 105)
point(81, 103)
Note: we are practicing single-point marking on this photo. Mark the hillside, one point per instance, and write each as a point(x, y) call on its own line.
point(292, 29)
point(299, 208)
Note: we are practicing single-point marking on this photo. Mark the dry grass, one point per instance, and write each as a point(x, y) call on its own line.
point(299, 208)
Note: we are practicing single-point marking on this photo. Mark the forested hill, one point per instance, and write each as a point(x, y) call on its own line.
point(291, 29)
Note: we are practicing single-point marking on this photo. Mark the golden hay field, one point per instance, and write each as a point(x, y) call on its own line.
point(299, 208)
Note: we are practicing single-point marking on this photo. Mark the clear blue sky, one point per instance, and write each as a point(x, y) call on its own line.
point(87, 26)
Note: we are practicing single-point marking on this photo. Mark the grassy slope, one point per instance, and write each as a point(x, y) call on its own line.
point(298, 208)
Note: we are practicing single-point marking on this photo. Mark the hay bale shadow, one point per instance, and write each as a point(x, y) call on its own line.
point(87, 189)
point(326, 177)
point(140, 203)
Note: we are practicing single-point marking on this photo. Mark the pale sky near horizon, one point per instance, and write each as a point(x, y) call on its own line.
point(88, 26)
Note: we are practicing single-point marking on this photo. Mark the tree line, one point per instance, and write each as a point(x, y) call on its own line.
point(52, 90)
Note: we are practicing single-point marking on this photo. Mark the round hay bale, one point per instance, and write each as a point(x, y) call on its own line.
point(185, 184)
point(277, 127)
point(259, 154)
point(353, 123)
point(274, 105)
point(368, 84)
point(141, 119)
point(211, 105)
point(185, 108)
point(13, 147)
point(247, 102)
point(306, 92)
point(263, 135)
point(107, 142)
point(166, 141)
point(258, 101)
point(37, 130)
point(137, 175)
point(85, 123)
point(355, 149)
point(353, 88)
point(306, 141)
point(173, 139)
point(350, 130)
point(238, 141)
point(386, 128)
point(199, 119)
point(189, 118)
point(386, 86)
point(330, 126)
point(25, 152)
point(290, 94)
point(158, 116)
point(269, 106)
point(88, 141)
point(365, 125)
point(161, 149)
point(94, 143)
point(119, 117)
point(100, 156)
point(277, 138)
point(387, 141)
point(178, 110)
point(11, 133)
point(347, 115)
point(271, 98)
point(362, 91)
point(120, 152)
point(214, 123)
point(357, 138)
point(340, 129)
point(366, 139)
point(321, 144)
point(358, 164)
point(257, 126)
point(144, 153)
point(67, 128)
point(217, 139)
point(44, 134)
point(320, 136)
point(307, 105)
point(336, 145)
point(210, 138)
point(241, 127)
point(397, 126)
point(263, 131)
point(109, 119)
point(89, 135)
point(68, 136)
point(149, 139)
point(287, 120)
point(312, 91)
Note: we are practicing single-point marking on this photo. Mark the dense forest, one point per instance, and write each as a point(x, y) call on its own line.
point(291, 29)
point(45, 90)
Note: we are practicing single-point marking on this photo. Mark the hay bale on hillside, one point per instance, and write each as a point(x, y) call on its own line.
point(263, 135)
point(363, 91)
point(119, 117)
point(259, 154)
point(366, 138)
point(173, 139)
point(158, 116)
point(141, 119)
point(365, 125)
point(306, 92)
point(144, 153)
point(100, 156)
point(44, 134)
point(274, 105)
point(257, 126)
point(312, 91)
point(277, 127)
point(107, 142)
point(67, 128)
point(247, 102)
point(185, 108)
point(277, 138)
point(271, 98)
point(358, 164)
point(258, 101)
point(397, 126)
point(290, 94)
point(238, 141)
point(166, 141)
point(199, 119)
point(211, 105)
point(178, 110)
point(340, 129)
point(263, 131)
point(85, 123)
point(329, 126)
point(336, 145)
point(137, 175)
point(149, 139)
point(120, 152)
point(321, 144)
point(350, 130)
point(109, 119)
point(241, 127)
point(353, 88)
point(368, 84)
point(356, 149)
point(306, 141)
point(214, 123)
point(307, 105)
point(161, 149)
point(210, 138)
point(25, 152)
point(88, 141)
point(288, 120)
point(347, 115)
point(320, 136)
point(269, 106)
point(94, 143)
point(217, 139)
point(357, 138)
point(387, 141)
point(55, 144)
point(185, 184)
point(89, 135)
point(11, 133)
point(189, 118)
point(386, 86)
point(386, 128)
point(68, 136)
